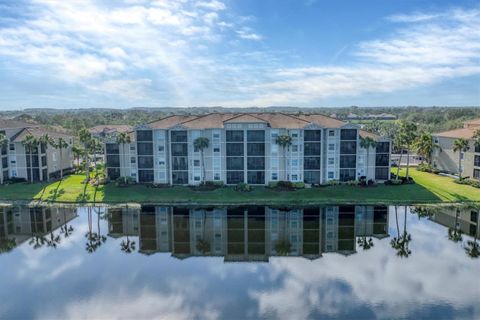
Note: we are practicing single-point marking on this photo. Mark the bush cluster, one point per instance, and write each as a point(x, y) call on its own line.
point(124, 181)
point(425, 167)
point(286, 185)
point(243, 187)
point(468, 181)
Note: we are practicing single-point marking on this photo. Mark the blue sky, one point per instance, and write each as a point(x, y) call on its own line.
point(309, 53)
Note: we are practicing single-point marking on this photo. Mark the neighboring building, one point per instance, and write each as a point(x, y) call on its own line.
point(466, 219)
point(103, 131)
point(250, 233)
point(242, 148)
point(445, 159)
point(46, 160)
point(18, 224)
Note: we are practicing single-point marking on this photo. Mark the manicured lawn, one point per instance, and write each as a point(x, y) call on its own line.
point(444, 187)
point(430, 188)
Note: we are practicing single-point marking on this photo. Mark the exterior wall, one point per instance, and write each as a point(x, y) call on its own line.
point(444, 158)
point(177, 162)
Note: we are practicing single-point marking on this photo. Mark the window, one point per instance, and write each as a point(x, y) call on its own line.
point(235, 149)
point(331, 147)
point(144, 135)
point(331, 174)
point(274, 176)
point(295, 148)
point(382, 174)
point(256, 177)
point(348, 147)
point(382, 160)
point(294, 134)
point(161, 163)
point(180, 177)
point(179, 136)
point(234, 136)
point(312, 148)
point(196, 178)
point(331, 161)
point(196, 163)
point(256, 135)
point(234, 177)
point(476, 161)
point(294, 177)
point(145, 148)
point(161, 175)
point(112, 148)
point(133, 160)
point(132, 147)
point(216, 135)
point(161, 148)
point(312, 135)
point(113, 173)
point(331, 133)
point(12, 147)
point(216, 176)
point(348, 161)
point(473, 216)
point(255, 163)
point(216, 148)
point(294, 162)
point(383, 147)
point(274, 163)
point(348, 134)
point(347, 174)
point(234, 163)
point(312, 177)
point(112, 160)
point(311, 163)
point(145, 162)
point(476, 173)
point(145, 176)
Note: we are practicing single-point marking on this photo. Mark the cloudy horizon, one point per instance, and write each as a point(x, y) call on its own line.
point(185, 53)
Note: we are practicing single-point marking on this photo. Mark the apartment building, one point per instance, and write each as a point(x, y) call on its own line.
point(242, 148)
point(44, 161)
point(250, 233)
point(444, 158)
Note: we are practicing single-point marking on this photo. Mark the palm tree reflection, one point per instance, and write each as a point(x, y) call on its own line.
point(401, 242)
point(94, 239)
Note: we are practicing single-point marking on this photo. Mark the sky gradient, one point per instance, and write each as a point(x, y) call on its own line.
point(307, 53)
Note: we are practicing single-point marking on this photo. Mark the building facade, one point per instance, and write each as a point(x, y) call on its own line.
point(250, 233)
point(43, 163)
point(444, 158)
point(242, 148)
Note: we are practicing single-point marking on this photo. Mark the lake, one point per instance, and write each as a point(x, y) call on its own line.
point(329, 262)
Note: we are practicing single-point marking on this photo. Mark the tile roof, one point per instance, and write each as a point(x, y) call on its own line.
point(38, 132)
point(274, 120)
point(465, 133)
point(110, 128)
point(11, 124)
point(472, 123)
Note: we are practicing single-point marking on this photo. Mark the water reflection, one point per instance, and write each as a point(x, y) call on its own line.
point(250, 233)
point(333, 262)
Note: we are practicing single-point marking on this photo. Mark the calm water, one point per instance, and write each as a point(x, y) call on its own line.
point(330, 262)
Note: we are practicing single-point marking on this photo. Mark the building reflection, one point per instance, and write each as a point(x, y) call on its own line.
point(462, 220)
point(249, 233)
point(38, 225)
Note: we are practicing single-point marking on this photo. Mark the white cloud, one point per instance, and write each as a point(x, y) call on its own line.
point(133, 89)
point(212, 5)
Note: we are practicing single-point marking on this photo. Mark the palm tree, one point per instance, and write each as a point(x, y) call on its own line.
point(367, 143)
point(476, 138)
point(7, 244)
point(424, 146)
point(284, 141)
point(283, 247)
point(60, 145)
point(30, 143)
point(77, 152)
point(200, 144)
point(460, 145)
point(362, 241)
point(95, 146)
point(3, 144)
point(401, 242)
point(85, 139)
point(454, 234)
point(46, 141)
point(407, 137)
point(122, 139)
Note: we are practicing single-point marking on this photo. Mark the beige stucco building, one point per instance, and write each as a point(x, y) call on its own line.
point(444, 158)
point(46, 160)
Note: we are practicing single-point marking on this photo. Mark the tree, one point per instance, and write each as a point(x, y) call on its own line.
point(367, 143)
point(424, 146)
point(460, 145)
point(407, 136)
point(476, 138)
point(85, 139)
point(77, 152)
point(46, 141)
point(200, 144)
point(3, 144)
point(472, 249)
point(122, 139)
point(455, 234)
point(60, 145)
point(284, 141)
point(30, 143)
point(94, 147)
point(401, 242)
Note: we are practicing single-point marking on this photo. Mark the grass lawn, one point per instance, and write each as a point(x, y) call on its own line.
point(430, 188)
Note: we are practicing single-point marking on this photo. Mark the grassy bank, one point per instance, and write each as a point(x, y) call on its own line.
point(429, 189)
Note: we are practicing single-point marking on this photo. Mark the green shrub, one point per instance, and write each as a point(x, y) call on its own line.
point(124, 181)
point(243, 187)
point(333, 183)
point(469, 182)
point(299, 185)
